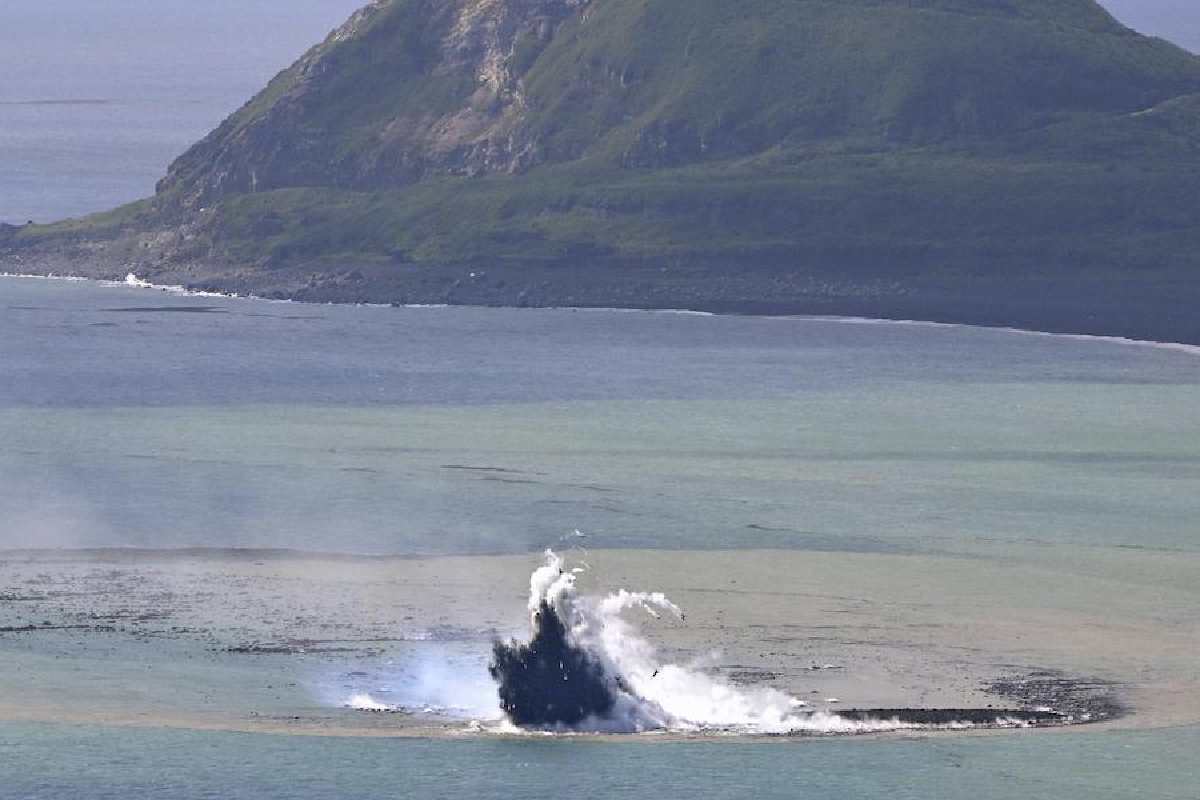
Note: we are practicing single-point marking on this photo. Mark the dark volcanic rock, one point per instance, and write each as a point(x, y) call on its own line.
point(977, 717)
point(1076, 699)
point(549, 681)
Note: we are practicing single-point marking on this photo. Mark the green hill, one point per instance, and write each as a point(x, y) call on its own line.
point(1024, 162)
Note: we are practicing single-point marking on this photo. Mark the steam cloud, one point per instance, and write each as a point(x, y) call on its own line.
point(586, 668)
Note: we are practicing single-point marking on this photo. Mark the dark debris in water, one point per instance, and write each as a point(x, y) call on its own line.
point(286, 648)
point(12, 597)
point(977, 717)
point(166, 310)
point(751, 676)
point(31, 628)
point(1076, 699)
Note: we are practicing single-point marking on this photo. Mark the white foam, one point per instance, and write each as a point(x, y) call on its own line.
point(48, 277)
point(131, 280)
point(1179, 347)
point(656, 696)
point(364, 702)
point(667, 696)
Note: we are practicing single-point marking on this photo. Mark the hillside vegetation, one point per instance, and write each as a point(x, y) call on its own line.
point(1009, 161)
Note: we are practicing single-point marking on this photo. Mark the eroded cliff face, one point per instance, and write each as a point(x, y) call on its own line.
point(495, 41)
point(405, 90)
point(412, 90)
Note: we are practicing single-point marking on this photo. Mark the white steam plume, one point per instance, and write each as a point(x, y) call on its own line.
point(662, 695)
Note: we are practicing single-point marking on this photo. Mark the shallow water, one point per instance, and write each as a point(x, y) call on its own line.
point(138, 417)
point(94, 762)
point(467, 430)
point(463, 430)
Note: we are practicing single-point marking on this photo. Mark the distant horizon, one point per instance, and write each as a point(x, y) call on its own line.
point(97, 99)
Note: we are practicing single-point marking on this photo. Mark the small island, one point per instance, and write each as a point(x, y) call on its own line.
point(1017, 163)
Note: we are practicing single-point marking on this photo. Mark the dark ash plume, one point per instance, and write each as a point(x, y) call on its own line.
point(550, 681)
point(586, 668)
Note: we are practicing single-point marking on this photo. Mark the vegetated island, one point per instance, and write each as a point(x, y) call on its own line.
point(1030, 163)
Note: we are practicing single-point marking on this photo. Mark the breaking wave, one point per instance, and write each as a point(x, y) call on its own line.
point(132, 281)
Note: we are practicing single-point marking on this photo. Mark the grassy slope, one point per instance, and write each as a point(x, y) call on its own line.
point(930, 213)
point(811, 126)
point(715, 79)
point(748, 75)
point(942, 144)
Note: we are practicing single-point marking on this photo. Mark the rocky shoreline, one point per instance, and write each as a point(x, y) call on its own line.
point(520, 155)
point(1126, 309)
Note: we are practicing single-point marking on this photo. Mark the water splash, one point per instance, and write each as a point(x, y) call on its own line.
point(365, 702)
point(587, 668)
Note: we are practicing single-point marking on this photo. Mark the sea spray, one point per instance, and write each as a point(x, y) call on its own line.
point(446, 679)
point(586, 668)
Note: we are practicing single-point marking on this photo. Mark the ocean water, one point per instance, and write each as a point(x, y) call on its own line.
point(134, 417)
point(1157, 765)
point(97, 98)
point(137, 417)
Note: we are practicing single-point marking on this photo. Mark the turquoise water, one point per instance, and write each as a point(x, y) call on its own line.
point(99, 763)
point(135, 417)
point(471, 430)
